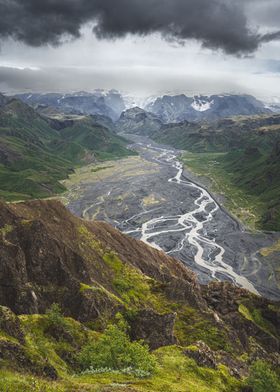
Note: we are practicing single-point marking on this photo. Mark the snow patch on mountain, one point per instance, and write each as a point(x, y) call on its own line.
point(201, 105)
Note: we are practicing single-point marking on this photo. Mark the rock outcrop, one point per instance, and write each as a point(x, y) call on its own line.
point(47, 255)
point(155, 329)
point(138, 122)
point(93, 271)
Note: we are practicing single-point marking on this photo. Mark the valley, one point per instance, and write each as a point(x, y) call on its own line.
point(139, 196)
point(152, 198)
point(36, 151)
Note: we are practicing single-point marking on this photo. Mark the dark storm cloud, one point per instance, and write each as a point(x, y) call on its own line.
point(263, 12)
point(217, 24)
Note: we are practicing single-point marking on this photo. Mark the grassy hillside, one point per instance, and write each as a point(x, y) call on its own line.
point(221, 136)
point(87, 308)
point(242, 156)
point(257, 173)
point(211, 165)
point(35, 153)
point(173, 371)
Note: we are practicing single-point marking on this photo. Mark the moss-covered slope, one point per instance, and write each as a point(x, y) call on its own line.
point(204, 338)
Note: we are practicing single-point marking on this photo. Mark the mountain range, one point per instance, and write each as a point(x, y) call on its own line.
point(167, 108)
point(198, 108)
point(107, 103)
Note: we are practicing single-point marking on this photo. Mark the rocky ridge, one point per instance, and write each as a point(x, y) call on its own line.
point(93, 271)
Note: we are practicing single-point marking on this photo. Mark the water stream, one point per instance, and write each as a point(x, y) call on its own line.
point(191, 227)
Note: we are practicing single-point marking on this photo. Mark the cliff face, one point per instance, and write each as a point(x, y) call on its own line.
point(48, 255)
point(93, 271)
point(139, 122)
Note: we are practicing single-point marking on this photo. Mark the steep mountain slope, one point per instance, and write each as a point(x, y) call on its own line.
point(96, 274)
point(138, 121)
point(222, 135)
point(107, 103)
point(37, 152)
point(258, 173)
point(180, 107)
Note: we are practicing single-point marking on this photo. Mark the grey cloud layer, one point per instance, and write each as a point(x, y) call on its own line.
point(217, 24)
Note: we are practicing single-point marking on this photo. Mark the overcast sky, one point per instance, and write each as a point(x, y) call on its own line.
point(143, 47)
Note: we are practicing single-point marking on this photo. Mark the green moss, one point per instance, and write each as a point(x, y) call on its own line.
point(174, 373)
point(255, 316)
point(134, 288)
point(98, 168)
point(275, 308)
point(262, 378)
point(245, 312)
point(178, 373)
point(87, 239)
point(6, 230)
point(191, 326)
point(244, 357)
point(26, 222)
point(85, 287)
point(12, 381)
point(6, 337)
point(113, 261)
point(192, 348)
point(40, 345)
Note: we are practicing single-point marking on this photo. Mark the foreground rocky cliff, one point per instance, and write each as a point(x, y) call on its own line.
point(95, 273)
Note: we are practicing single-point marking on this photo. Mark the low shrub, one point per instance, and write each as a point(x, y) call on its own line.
point(262, 378)
point(114, 351)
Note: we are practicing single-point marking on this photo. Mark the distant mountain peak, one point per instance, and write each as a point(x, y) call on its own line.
point(177, 108)
point(100, 102)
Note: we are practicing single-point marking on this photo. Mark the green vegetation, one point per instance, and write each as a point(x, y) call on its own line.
point(256, 173)
point(85, 360)
point(179, 373)
point(174, 373)
point(54, 317)
point(253, 314)
point(134, 288)
point(242, 158)
point(275, 248)
point(115, 351)
point(225, 135)
point(262, 378)
point(99, 168)
point(5, 230)
point(13, 381)
point(136, 291)
point(248, 208)
point(34, 156)
point(120, 300)
point(191, 326)
point(245, 184)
